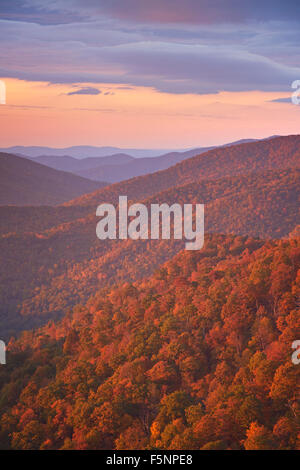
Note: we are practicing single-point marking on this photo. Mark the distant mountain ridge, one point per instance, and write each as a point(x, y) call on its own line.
point(114, 173)
point(142, 166)
point(85, 151)
point(122, 166)
point(81, 151)
point(270, 154)
point(77, 166)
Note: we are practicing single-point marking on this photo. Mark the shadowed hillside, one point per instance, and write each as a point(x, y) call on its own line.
point(112, 172)
point(24, 182)
point(142, 166)
point(76, 165)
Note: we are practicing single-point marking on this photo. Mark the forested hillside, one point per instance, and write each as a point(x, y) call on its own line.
point(253, 157)
point(45, 270)
point(196, 357)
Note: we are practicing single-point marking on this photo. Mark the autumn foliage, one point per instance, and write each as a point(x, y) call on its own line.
point(196, 357)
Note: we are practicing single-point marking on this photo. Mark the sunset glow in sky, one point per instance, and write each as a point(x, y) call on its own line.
point(165, 74)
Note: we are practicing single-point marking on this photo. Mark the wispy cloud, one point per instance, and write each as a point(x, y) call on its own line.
point(166, 11)
point(196, 46)
point(85, 91)
point(281, 100)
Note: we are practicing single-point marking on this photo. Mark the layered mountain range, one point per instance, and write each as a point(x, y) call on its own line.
point(141, 344)
point(52, 260)
point(109, 163)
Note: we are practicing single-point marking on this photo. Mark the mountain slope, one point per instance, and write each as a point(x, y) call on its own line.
point(121, 166)
point(196, 357)
point(115, 167)
point(270, 154)
point(143, 166)
point(136, 167)
point(55, 260)
point(23, 182)
point(57, 267)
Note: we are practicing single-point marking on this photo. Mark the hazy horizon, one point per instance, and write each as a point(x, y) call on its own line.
point(115, 149)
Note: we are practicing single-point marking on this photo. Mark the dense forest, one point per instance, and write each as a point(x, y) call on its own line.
point(123, 344)
point(196, 357)
point(55, 260)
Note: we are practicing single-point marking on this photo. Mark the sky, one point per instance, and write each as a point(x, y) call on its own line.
point(150, 74)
